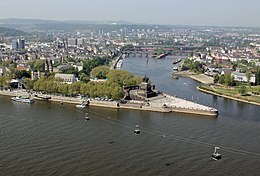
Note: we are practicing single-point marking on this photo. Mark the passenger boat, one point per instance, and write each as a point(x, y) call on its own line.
point(23, 99)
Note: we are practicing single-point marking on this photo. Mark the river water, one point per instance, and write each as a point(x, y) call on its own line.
point(47, 138)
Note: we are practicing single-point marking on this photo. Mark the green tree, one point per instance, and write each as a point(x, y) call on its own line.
point(51, 86)
point(119, 76)
point(40, 84)
point(242, 89)
point(248, 76)
point(20, 74)
point(228, 79)
point(257, 75)
point(84, 78)
point(63, 88)
point(74, 88)
point(39, 65)
point(28, 83)
point(216, 78)
point(5, 80)
point(99, 72)
point(221, 79)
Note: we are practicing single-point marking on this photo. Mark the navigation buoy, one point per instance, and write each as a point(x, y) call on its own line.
point(216, 156)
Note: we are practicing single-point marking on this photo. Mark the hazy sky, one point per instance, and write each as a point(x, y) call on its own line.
point(187, 12)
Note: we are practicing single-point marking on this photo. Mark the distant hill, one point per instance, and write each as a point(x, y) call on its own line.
point(17, 21)
point(11, 32)
point(29, 25)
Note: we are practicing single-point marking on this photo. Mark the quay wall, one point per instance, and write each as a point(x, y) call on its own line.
point(134, 105)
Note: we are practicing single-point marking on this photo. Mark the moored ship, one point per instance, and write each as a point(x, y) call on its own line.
point(23, 99)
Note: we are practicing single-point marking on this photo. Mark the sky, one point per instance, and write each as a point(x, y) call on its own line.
point(172, 12)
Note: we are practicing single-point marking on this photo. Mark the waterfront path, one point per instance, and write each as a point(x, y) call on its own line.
point(161, 103)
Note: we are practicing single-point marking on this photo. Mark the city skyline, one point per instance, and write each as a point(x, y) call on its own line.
point(170, 12)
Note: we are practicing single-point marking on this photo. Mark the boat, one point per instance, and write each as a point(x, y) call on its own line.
point(23, 99)
point(175, 68)
point(119, 64)
point(43, 97)
point(216, 156)
point(82, 105)
point(137, 130)
point(86, 117)
point(176, 61)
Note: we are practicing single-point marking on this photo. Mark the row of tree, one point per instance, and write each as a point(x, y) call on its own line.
point(111, 88)
point(196, 66)
point(225, 79)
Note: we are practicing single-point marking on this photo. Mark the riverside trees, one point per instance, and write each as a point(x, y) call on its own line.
point(112, 88)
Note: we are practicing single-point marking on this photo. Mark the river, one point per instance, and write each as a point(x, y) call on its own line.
point(47, 138)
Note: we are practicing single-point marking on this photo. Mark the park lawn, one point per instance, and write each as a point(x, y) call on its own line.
point(233, 92)
point(226, 90)
point(254, 89)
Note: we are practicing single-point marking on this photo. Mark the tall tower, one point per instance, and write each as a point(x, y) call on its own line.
point(21, 43)
point(50, 66)
point(46, 69)
point(14, 44)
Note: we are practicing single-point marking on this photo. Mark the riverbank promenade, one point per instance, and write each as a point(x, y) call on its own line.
point(161, 103)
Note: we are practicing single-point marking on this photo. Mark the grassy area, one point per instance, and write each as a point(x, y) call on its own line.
point(234, 92)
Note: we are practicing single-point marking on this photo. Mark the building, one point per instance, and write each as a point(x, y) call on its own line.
point(14, 44)
point(37, 75)
point(242, 77)
point(67, 78)
point(18, 44)
point(21, 43)
point(72, 42)
point(80, 41)
point(48, 67)
point(78, 66)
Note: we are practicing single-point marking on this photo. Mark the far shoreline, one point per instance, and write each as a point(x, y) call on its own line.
point(201, 78)
point(228, 97)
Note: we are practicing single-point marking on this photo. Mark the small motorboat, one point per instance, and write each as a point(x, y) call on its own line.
point(216, 156)
point(137, 130)
point(82, 105)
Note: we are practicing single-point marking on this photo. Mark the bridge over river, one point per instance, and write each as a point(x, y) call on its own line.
point(149, 51)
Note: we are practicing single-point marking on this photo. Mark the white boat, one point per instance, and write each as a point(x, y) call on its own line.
point(82, 105)
point(22, 99)
point(175, 68)
point(87, 117)
point(137, 130)
point(119, 64)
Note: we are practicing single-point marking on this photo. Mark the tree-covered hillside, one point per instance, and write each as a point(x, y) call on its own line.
point(11, 32)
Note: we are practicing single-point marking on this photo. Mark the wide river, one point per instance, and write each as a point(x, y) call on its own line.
point(47, 138)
